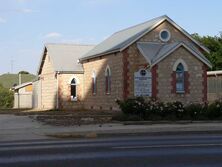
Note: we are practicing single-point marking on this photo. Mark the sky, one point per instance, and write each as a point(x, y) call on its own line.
point(26, 25)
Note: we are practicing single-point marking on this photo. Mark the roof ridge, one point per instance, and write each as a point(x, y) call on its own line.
point(163, 16)
point(69, 44)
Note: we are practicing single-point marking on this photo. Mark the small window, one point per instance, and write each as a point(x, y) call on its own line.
point(94, 86)
point(164, 35)
point(73, 90)
point(108, 80)
point(180, 78)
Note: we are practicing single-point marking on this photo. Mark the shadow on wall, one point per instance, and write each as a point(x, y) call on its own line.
point(93, 92)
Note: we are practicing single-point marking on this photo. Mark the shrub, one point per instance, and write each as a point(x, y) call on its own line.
point(196, 111)
point(6, 98)
point(135, 106)
point(173, 110)
point(155, 110)
point(215, 110)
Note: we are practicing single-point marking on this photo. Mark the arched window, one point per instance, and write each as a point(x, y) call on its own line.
point(108, 80)
point(94, 86)
point(73, 89)
point(180, 78)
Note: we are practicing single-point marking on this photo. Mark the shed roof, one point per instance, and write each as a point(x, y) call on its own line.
point(122, 39)
point(21, 85)
point(64, 57)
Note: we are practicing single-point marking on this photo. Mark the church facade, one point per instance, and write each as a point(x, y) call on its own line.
point(157, 59)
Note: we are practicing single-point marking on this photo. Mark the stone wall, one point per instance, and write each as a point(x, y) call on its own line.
point(101, 100)
point(65, 102)
point(165, 70)
point(48, 85)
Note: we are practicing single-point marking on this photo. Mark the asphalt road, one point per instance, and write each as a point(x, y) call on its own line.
point(129, 151)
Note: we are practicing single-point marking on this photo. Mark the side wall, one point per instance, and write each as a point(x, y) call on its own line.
point(65, 102)
point(48, 85)
point(101, 100)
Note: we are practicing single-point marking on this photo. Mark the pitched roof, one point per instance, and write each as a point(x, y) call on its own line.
point(155, 52)
point(122, 39)
point(64, 57)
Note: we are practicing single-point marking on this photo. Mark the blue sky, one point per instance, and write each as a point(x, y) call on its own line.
point(25, 25)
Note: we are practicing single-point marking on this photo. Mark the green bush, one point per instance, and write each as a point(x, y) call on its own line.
point(215, 110)
point(6, 98)
point(152, 109)
point(196, 111)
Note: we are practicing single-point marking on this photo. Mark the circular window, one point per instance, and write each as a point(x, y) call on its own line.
point(142, 72)
point(164, 35)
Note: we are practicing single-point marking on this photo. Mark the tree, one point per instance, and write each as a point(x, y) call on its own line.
point(214, 44)
point(6, 97)
point(23, 72)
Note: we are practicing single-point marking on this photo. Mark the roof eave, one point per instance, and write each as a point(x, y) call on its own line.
point(97, 55)
point(189, 49)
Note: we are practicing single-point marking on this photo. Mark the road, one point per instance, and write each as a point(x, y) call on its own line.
point(131, 151)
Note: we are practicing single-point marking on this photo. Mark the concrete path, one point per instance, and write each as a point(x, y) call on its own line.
point(24, 128)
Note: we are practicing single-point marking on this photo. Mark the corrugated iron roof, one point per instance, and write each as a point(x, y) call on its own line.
point(155, 52)
point(122, 39)
point(64, 57)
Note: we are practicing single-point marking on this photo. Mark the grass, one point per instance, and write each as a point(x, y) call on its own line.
point(8, 80)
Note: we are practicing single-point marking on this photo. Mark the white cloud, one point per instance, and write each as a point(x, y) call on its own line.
point(2, 20)
point(53, 35)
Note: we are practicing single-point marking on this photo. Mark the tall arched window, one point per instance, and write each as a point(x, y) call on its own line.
point(73, 89)
point(94, 86)
point(180, 78)
point(108, 80)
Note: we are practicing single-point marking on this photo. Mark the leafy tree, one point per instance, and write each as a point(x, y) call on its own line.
point(214, 44)
point(23, 72)
point(6, 98)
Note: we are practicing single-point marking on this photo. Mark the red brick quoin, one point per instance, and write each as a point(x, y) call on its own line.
point(125, 74)
point(154, 81)
point(204, 75)
point(186, 82)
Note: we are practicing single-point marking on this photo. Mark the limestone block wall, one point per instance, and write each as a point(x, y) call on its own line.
point(64, 91)
point(48, 85)
point(195, 71)
point(176, 35)
point(101, 100)
point(163, 86)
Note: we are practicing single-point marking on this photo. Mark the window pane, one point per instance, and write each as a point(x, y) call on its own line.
point(73, 90)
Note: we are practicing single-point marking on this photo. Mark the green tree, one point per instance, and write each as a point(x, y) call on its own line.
point(214, 44)
point(23, 72)
point(6, 98)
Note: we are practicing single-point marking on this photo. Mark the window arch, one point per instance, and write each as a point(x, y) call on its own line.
point(94, 83)
point(180, 78)
point(108, 80)
point(73, 85)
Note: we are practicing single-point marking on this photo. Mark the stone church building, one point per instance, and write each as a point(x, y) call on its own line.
point(156, 59)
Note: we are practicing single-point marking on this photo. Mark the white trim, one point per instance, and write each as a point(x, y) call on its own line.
point(186, 47)
point(178, 62)
point(169, 35)
point(108, 68)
